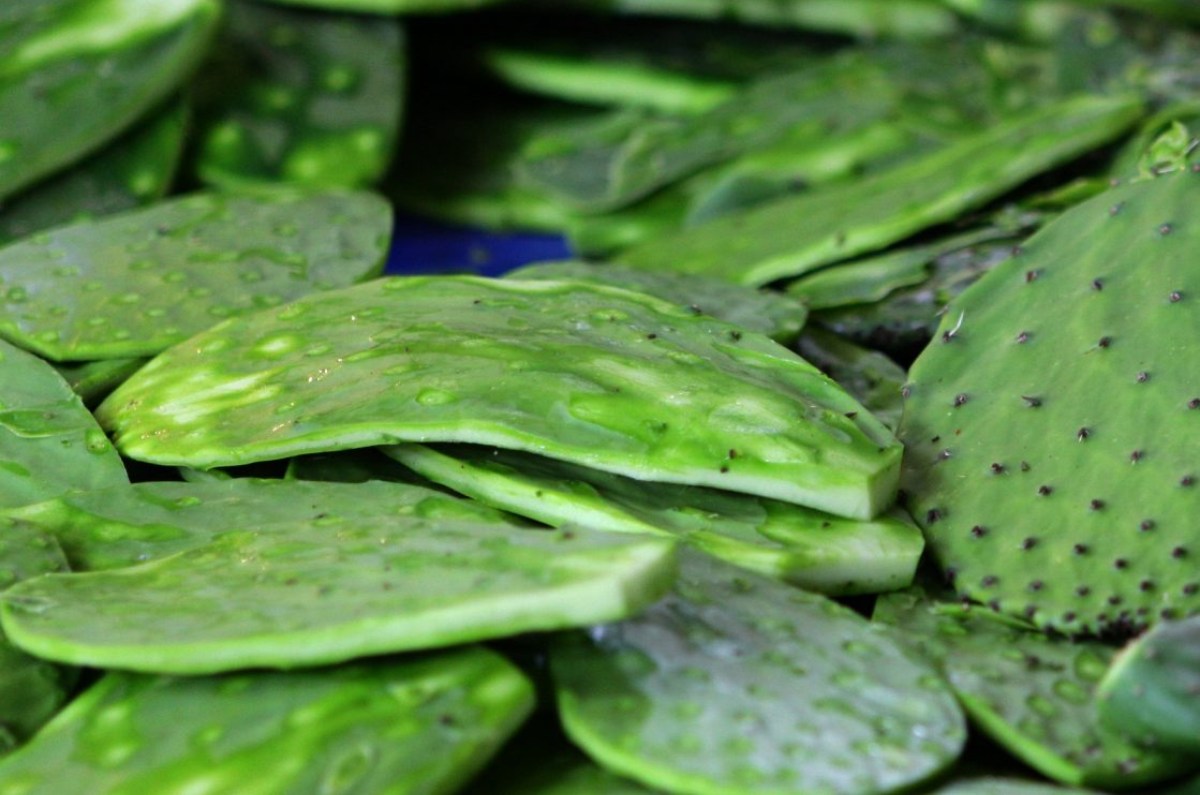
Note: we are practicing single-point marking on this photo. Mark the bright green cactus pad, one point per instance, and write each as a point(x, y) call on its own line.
point(321, 592)
point(403, 725)
point(300, 96)
point(807, 548)
point(127, 525)
point(49, 443)
point(1030, 692)
point(132, 284)
point(739, 684)
point(1152, 689)
point(1051, 427)
point(599, 376)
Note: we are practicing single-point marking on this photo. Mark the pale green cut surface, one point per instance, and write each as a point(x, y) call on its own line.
point(807, 548)
point(736, 684)
point(595, 375)
point(49, 443)
point(403, 725)
point(133, 284)
point(329, 592)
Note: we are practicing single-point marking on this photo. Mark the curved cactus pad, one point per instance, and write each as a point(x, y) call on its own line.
point(414, 724)
point(739, 684)
point(1051, 427)
point(1030, 692)
point(600, 376)
point(92, 381)
point(325, 592)
point(1152, 690)
point(808, 548)
point(49, 443)
point(125, 526)
point(135, 283)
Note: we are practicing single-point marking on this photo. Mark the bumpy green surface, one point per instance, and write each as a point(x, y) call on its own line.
point(300, 96)
point(1030, 692)
point(1152, 690)
point(132, 284)
point(778, 316)
point(1051, 425)
point(326, 591)
point(135, 169)
point(792, 236)
point(73, 78)
point(875, 380)
point(49, 443)
point(599, 376)
point(92, 381)
point(404, 725)
point(739, 684)
point(807, 548)
point(124, 526)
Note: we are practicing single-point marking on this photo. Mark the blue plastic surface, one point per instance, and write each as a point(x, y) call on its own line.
point(423, 246)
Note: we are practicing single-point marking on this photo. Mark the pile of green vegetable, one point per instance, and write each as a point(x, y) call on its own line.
point(851, 455)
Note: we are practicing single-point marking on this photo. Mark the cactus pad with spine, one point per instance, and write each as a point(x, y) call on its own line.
point(599, 376)
point(736, 683)
point(1051, 425)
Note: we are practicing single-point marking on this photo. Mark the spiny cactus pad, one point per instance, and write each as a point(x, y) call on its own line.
point(413, 724)
point(1030, 692)
point(736, 683)
point(321, 592)
point(807, 548)
point(599, 376)
point(1051, 426)
point(49, 443)
point(135, 283)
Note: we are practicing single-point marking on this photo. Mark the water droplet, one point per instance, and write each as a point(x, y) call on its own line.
point(435, 397)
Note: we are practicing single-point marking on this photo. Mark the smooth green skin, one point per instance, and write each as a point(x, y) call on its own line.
point(740, 684)
point(778, 316)
point(1030, 692)
point(125, 526)
point(135, 169)
point(415, 724)
point(49, 443)
point(321, 592)
point(807, 548)
point(596, 375)
point(792, 236)
point(133, 284)
point(875, 380)
point(92, 381)
point(1150, 690)
point(593, 174)
point(299, 96)
point(1123, 561)
point(104, 63)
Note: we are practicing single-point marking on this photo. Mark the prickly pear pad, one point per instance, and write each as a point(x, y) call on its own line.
point(328, 592)
point(807, 548)
point(738, 684)
point(1052, 425)
point(135, 283)
point(412, 724)
point(596, 375)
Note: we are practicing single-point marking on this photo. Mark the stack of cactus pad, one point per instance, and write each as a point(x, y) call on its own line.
point(850, 451)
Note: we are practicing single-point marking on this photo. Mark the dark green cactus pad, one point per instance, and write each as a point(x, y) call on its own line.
point(92, 381)
point(1030, 692)
point(118, 527)
point(73, 78)
point(778, 316)
point(792, 236)
point(300, 96)
point(807, 548)
point(1152, 689)
point(603, 377)
point(736, 683)
point(49, 443)
point(875, 380)
point(413, 724)
point(350, 466)
point(324, 591)
point(133, 284)
point(862, 281)
point(133, 170)
point(1050, 426)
